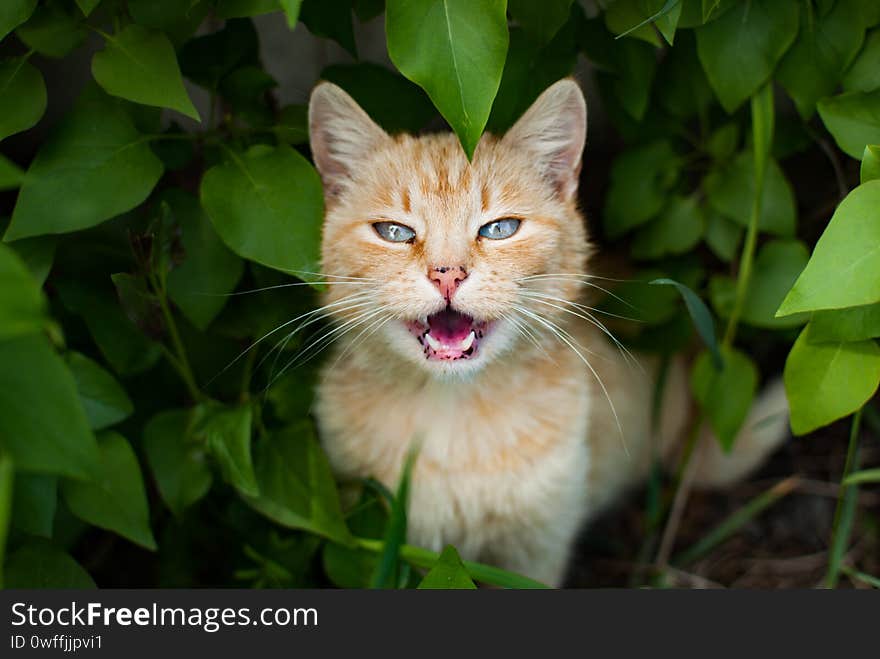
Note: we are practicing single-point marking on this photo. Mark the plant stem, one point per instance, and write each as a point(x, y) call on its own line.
point(425, 559)
point(846, 507)
point(181, 361)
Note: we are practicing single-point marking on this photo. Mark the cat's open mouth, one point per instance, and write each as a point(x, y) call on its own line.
point(448, 335)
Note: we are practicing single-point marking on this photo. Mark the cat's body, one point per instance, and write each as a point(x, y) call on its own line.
point(459, 328)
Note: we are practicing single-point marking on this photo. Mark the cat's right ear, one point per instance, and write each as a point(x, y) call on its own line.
point(341, 135)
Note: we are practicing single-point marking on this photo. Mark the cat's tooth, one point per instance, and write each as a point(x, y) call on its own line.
point(434, 343)
point(467, 342)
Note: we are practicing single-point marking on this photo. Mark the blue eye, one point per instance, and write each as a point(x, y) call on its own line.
point(394, 232)
point(500, 229)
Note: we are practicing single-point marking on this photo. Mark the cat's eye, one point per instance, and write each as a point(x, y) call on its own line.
point(500, 229)
point(394, 232)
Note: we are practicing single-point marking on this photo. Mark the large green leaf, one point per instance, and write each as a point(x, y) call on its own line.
point(126, 349)
point(330, 19)
point(448, 573)
point(178, 463)
point(139, 65)
point(637, 66)
point(853, 119)
point(826, 381)
point(38, 255)
point(677, 230)
point(297, 489)
point(540, 20)
point(740, 49)
point(851, 324)
point(226, 434)
point(268, 206)
point(641, 179)
point(13, 13)
point(824, 48)
point(638, 18)
point(209, 272)
point(24, 96)
point(10, 174)
point(725, 395)
point(870, 169)
point(40, 564)
point(22, 306)
point(206, 60)
point(115, 500)
point(777, 266)
point(391, 100)
point(103, 398)
point(95, 166)
point(844, 270)
point(731, 192)
point(864, 74)
point(179, 20)
point(455, 51)
point(245, 8)
point(54, 30)
point(34, 501)
point(42, 424)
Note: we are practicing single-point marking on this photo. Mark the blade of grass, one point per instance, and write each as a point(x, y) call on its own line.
point(736, 521)
point(866, 476)
point(871, 580)
point(846, 507)
point(386, 570)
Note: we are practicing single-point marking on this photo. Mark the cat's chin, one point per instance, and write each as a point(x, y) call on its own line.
point(449, 335)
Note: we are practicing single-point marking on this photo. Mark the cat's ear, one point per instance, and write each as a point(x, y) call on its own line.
point(553, 130)
point(341, 135)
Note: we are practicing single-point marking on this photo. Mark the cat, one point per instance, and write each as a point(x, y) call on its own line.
point(454, 290)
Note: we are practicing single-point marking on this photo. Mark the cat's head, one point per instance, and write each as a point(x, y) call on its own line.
point(441, 259)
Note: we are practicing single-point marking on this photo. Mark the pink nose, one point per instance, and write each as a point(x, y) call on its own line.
point(447, 279)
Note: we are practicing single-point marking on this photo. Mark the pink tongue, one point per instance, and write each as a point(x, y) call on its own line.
point(449, 326)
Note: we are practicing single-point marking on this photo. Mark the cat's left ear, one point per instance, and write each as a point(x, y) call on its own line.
point(553, 130)
point(341, 135)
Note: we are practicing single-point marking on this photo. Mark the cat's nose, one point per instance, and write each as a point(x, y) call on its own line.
point(447, 279)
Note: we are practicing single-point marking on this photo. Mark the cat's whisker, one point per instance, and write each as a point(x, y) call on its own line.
point(583, 279)
point(570, 342)
point(369, 330)
point(628, 357)
point(523, 329)
point(286, 285)
point(571, 275)
point(327, 275)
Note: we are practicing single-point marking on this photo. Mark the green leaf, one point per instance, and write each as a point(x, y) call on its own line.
point(353, 567)
point(641, 179)
point(38, 255)
point(22, 306)
point(777, 266)
point(115, 500)
point(330, 19)
point(53, 30)
point(455, 51)
point(722, 236)
point(386, 574)
point(634, 18)
point(828, 381)
point(870, 163)
point(864, 74)
point(103, 398)
point(34, 500)
point(42, 424)
point(700, 315)
point(297, 489)
point(291, 10)
point(541, 21)
point(390, 99)
point(293, 124)
point(122, 344)
point(448, 573)
point(852, 324)
point(139, 64)
point(177, 461)
point(13, 13)
point(682, 87)
point(853, 119)
point(206, 60)
point(10, 175)
point(88, 6)
point(268, 206)
point(209, 272)
point(226, 434)
point(725, 395)
point(844, 270)
point(24, 96)
point(245, 8)
point(637, 65)
point(39, 564)
point(179, 20)
point(677, 230)
point(865, 476)
point(95, 166)
point(6, 484)
point(740, 49)
point(731, 190)
point(824, 48)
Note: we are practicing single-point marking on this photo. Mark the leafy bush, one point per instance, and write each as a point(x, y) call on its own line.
point(146, 266)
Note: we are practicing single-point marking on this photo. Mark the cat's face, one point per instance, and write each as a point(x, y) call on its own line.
point(432, 252)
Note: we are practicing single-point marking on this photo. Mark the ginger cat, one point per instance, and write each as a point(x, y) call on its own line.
point(460, 327)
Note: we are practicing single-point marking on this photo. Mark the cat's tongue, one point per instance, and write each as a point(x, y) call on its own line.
point(450, 334)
